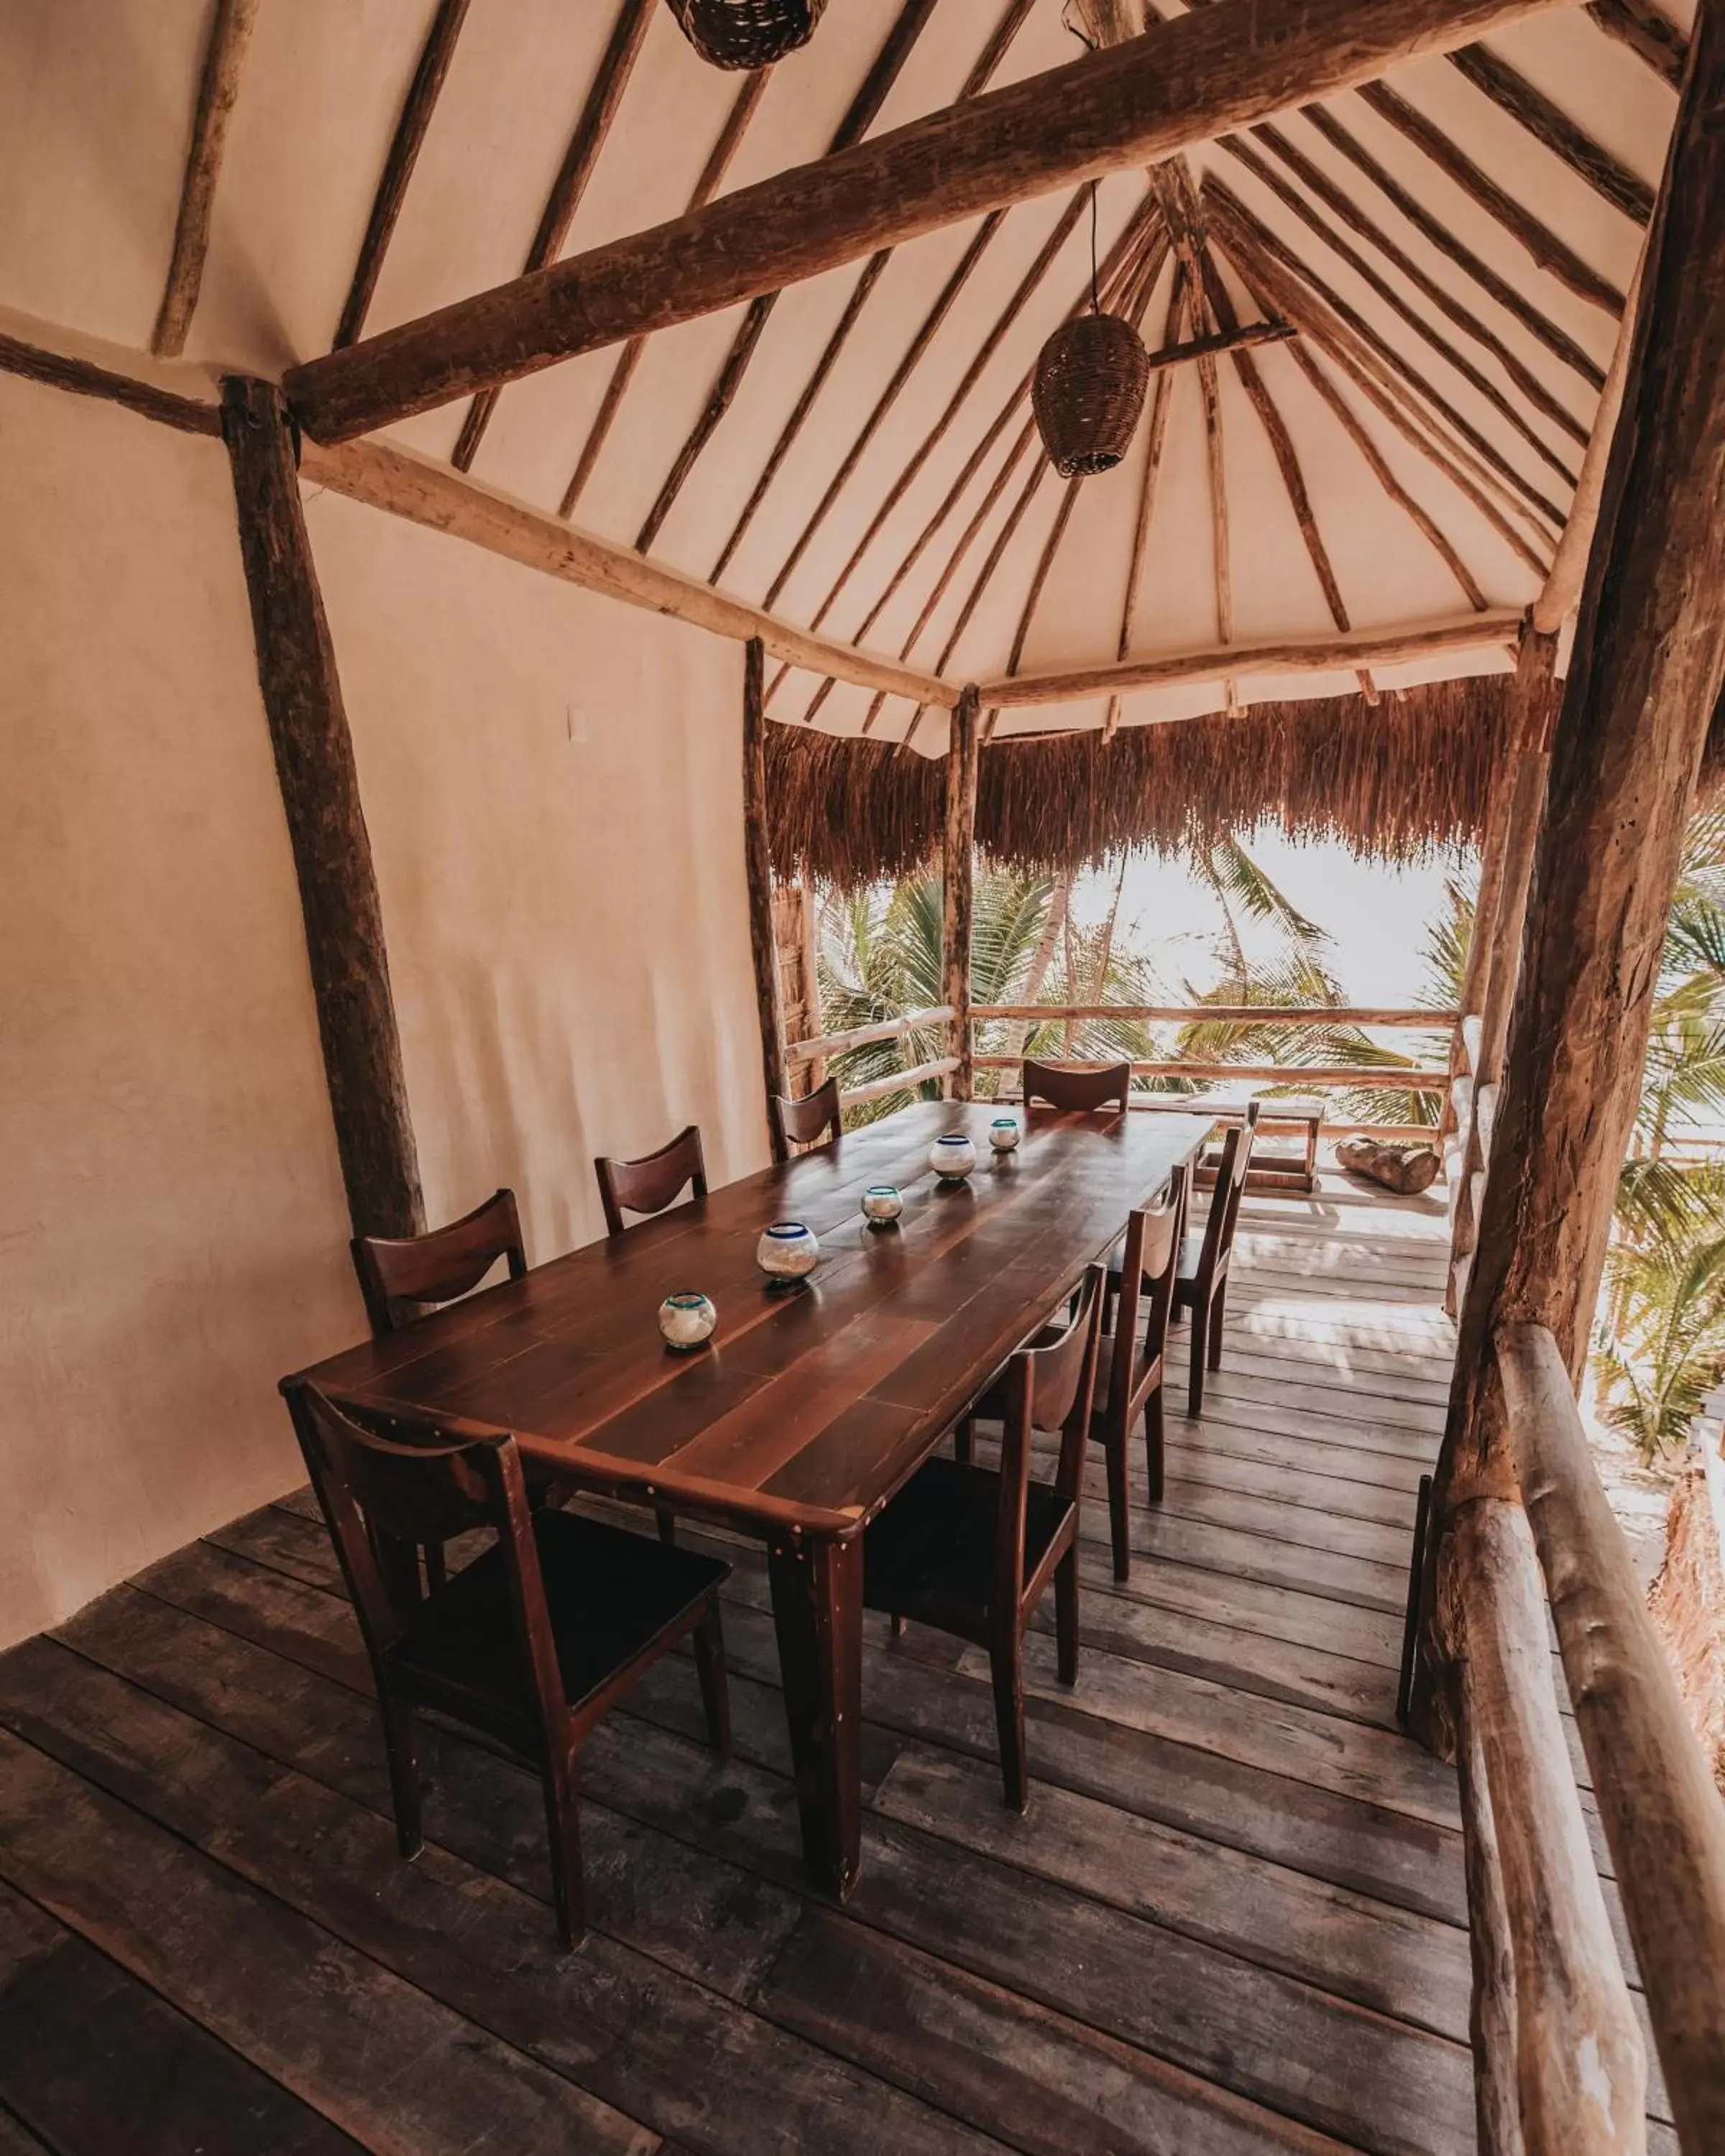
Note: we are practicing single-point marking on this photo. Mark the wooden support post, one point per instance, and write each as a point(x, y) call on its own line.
point(958, 880)
point(326, 825)
point(758, 862)
point(1531, 708)
point(1646, 671)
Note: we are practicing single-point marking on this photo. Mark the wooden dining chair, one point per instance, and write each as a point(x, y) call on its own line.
point(1136, 1362)
point(401, 1277)
point(404, 1277)
point(654, 1181)
point(971, 1550)
point(812, 1120)
point(1201, 1287)
point(529, 1644)
point(1063, 1088)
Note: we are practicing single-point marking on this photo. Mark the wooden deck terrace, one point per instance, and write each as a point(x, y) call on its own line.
point(1234, 1919)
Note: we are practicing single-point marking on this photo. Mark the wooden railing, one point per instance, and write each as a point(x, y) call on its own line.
point(823, 1046)
point(1556, 2040)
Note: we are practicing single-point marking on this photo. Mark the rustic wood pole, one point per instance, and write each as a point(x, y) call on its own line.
point(230, 34)
point(758, 858)
point(326, 825)
point(1646, 671)
point(958, 880)
point(1533, 706)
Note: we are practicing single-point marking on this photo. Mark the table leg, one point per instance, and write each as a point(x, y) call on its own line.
point(817, 1610)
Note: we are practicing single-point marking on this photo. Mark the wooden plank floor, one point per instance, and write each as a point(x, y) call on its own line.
point(1233, 1920)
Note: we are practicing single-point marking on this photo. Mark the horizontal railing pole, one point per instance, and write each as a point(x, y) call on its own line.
point(1433, 1021)
point(865, 1036)
point(1664, 1820)
point(1369, 1076)
point(1578, 2072)
point(897, 1082)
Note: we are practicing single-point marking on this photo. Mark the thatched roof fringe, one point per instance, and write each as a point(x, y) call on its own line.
point(1395, 782)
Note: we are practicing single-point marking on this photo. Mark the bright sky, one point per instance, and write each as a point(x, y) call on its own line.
point(1377, 914)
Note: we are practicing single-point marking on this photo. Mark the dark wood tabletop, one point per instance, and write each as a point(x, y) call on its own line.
point(809, 1407)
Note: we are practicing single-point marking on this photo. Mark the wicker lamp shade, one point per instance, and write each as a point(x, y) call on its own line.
point(747, 34)
point(1088, 393)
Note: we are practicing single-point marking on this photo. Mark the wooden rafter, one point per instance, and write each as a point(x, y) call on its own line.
point(430, 494)
point(417, 107)
point(1317, 181)
point(1549, 124)
point(1562, 590)
point(1490, 464)
point(1287, 461)
point(1156, 433)
point(1271, 271)
point(83, 378)
point(1551, 252)
point(604, 94)
point(1111, 275)
point(230, 34)
point(972, 374)
point(1652, 37)
point(1398, 646)
point(860, 115)
point(999, 45)
point(718, 163)
point(1194, 79)
point(1508, 296)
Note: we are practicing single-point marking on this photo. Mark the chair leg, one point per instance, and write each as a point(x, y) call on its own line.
point(1153, 1446)
point(1006, 1661)
point(715, 1692)
point(898, 1625)
point(562, 1821)
point(1217, 1308)
point(964, 1440)
point(1200, 1344)
point(401, 1744)
point(1119, 1514)
point(667, 1527)
point(1066, 1617)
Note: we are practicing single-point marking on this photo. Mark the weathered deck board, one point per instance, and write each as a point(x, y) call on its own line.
point(1231, 1922)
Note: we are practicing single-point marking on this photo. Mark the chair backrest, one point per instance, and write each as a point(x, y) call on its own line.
point(649, 1185)
point(402, 1277)
point(403, 1480)
point(1224, 1198)
point(1048, 1388)
point(1061, 1088)
point(1149, 1268)
point(812, 1120)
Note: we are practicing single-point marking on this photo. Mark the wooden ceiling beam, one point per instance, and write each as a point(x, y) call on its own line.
point(718, 163)
point(1552, 253)
point(628, 33)
point(410, 128)
point(1398, 645)
point(230, 33)
point(860, 115)
point(1188, 81)
point(1548, 124)
point(388, 478)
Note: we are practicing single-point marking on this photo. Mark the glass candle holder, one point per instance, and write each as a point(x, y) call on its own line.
point(882, 1204)
point(952, 1157)
point(787, 1252)
point(1004, 1134)
point(686, 1320)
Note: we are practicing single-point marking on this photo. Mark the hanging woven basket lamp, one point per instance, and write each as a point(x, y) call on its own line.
point(1088, 393)
point(747, 34)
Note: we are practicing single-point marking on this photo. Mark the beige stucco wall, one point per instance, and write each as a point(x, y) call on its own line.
point(552, 784)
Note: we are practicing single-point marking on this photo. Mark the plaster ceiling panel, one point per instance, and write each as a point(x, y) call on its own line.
point(96, 109)
point(1610, 95)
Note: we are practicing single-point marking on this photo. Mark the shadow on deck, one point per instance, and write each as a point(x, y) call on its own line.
point(1234, 1919)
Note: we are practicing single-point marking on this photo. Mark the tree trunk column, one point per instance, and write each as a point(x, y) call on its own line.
point(327, 826)
point(758, 857)
point(1533, 708)
point(959, 881)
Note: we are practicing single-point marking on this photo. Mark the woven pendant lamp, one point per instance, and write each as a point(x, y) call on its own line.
point(747, 34)
point(1088, 393)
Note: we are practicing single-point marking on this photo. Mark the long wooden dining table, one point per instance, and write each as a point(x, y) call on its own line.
point(809, 1407)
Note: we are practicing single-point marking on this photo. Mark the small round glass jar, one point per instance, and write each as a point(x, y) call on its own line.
point(686, 1320)
point(882, 1204)
point(952, 1157)
point(787, 1252)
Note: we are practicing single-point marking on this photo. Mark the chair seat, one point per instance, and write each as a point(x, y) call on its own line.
point(931, 1553)
point(609, 1593)
point(1191, 1249)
